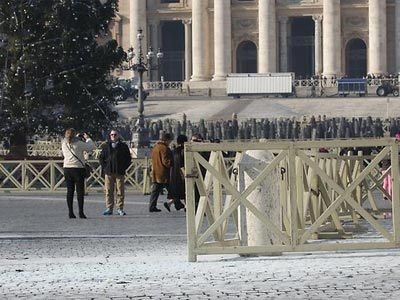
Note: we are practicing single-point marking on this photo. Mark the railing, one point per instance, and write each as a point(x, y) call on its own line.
point(160, 86)
point(332, 82)
point(317, 192)
point(48, 176)
point(50, 149)
point(307, 82)
point(381, 81)
point(50, 152)
point(163, 85)
point(157, 88)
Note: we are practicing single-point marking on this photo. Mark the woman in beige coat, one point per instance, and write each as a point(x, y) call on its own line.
point(73, 149)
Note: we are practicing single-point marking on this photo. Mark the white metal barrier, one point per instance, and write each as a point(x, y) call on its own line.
point(157, 88)
point(307, 82)
point(317, 191)
point(382, 81)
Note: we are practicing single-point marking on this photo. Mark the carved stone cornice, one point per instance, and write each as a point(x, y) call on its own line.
point(355, 21)
point(244, 24)
point(283, 19)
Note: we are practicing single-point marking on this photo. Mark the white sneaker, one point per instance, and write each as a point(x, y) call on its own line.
point(121, 212)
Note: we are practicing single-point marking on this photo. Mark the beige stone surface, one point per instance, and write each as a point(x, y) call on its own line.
point(222, 107)
point(377, 37)
point(219, 26)
point(222, 39)
point(331, 37)
point(267, 36)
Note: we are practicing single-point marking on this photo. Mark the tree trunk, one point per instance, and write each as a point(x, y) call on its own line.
point(18, 146)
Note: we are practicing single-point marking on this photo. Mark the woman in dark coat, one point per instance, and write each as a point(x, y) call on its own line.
point(176, 187)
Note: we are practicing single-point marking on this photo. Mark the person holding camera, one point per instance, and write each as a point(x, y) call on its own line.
point(115, 159)
point(73, 147)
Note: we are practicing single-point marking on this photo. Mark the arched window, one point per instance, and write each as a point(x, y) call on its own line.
point(356, 58)
point(246, 57)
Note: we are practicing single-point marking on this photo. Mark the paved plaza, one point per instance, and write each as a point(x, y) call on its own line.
point(217, 108)
point(44, 255)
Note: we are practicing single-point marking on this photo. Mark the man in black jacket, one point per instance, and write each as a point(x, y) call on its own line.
point(115, 159)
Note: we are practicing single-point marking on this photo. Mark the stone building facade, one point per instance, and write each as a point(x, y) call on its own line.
point(204, 40)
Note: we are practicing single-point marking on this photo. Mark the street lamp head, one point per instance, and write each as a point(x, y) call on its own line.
point(131, 53)
point(140, 34)
point(160, 55)
point(150, 54)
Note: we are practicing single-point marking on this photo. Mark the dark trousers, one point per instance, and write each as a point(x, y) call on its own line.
point(156, 189)
point(196, 198)
point(75, 179)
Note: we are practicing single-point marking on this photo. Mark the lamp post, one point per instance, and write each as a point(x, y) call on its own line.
point(140, 136)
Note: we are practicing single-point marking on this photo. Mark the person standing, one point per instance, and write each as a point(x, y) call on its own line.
point(176, 190)
point(115, 159)
point(73, 149)
point(161, 158)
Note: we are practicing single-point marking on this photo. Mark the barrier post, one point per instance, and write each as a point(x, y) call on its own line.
point(190, 205)
point(52, 176)
point(292, 195)
point(395, 190)
point(24, 179)
point(146, 177)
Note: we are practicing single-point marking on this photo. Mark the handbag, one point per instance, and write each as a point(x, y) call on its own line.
point(86, 166)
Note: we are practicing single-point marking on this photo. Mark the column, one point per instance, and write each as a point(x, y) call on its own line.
point(154, 42)
point(188, 48)
point(318, 44)
point(332, 38)
point(283, 26)
point(289, 38)
point(200, 40)
point(267, 36)
point(377, 37)
point(138, 21)
point(397, 32)
point(222, 39)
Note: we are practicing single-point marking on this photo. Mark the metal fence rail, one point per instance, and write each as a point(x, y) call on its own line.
point(49, 149)
point(317, 191)
point(165, 88)
point(48, 176)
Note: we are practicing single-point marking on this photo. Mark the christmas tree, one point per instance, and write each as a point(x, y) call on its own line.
point(55, 65)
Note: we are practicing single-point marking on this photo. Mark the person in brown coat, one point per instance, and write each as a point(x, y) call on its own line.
point(161, 158)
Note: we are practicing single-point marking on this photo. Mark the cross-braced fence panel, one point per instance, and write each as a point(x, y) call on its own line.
point(11, 175)
point(48, 176)
point(325, 199)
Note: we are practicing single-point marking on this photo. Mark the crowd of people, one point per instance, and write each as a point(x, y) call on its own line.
point(115, 159)
point(167, 171)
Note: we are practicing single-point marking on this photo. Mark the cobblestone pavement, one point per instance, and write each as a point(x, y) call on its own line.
point(44, 255)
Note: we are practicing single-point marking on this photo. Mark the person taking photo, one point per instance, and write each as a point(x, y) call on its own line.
point(73, 148)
